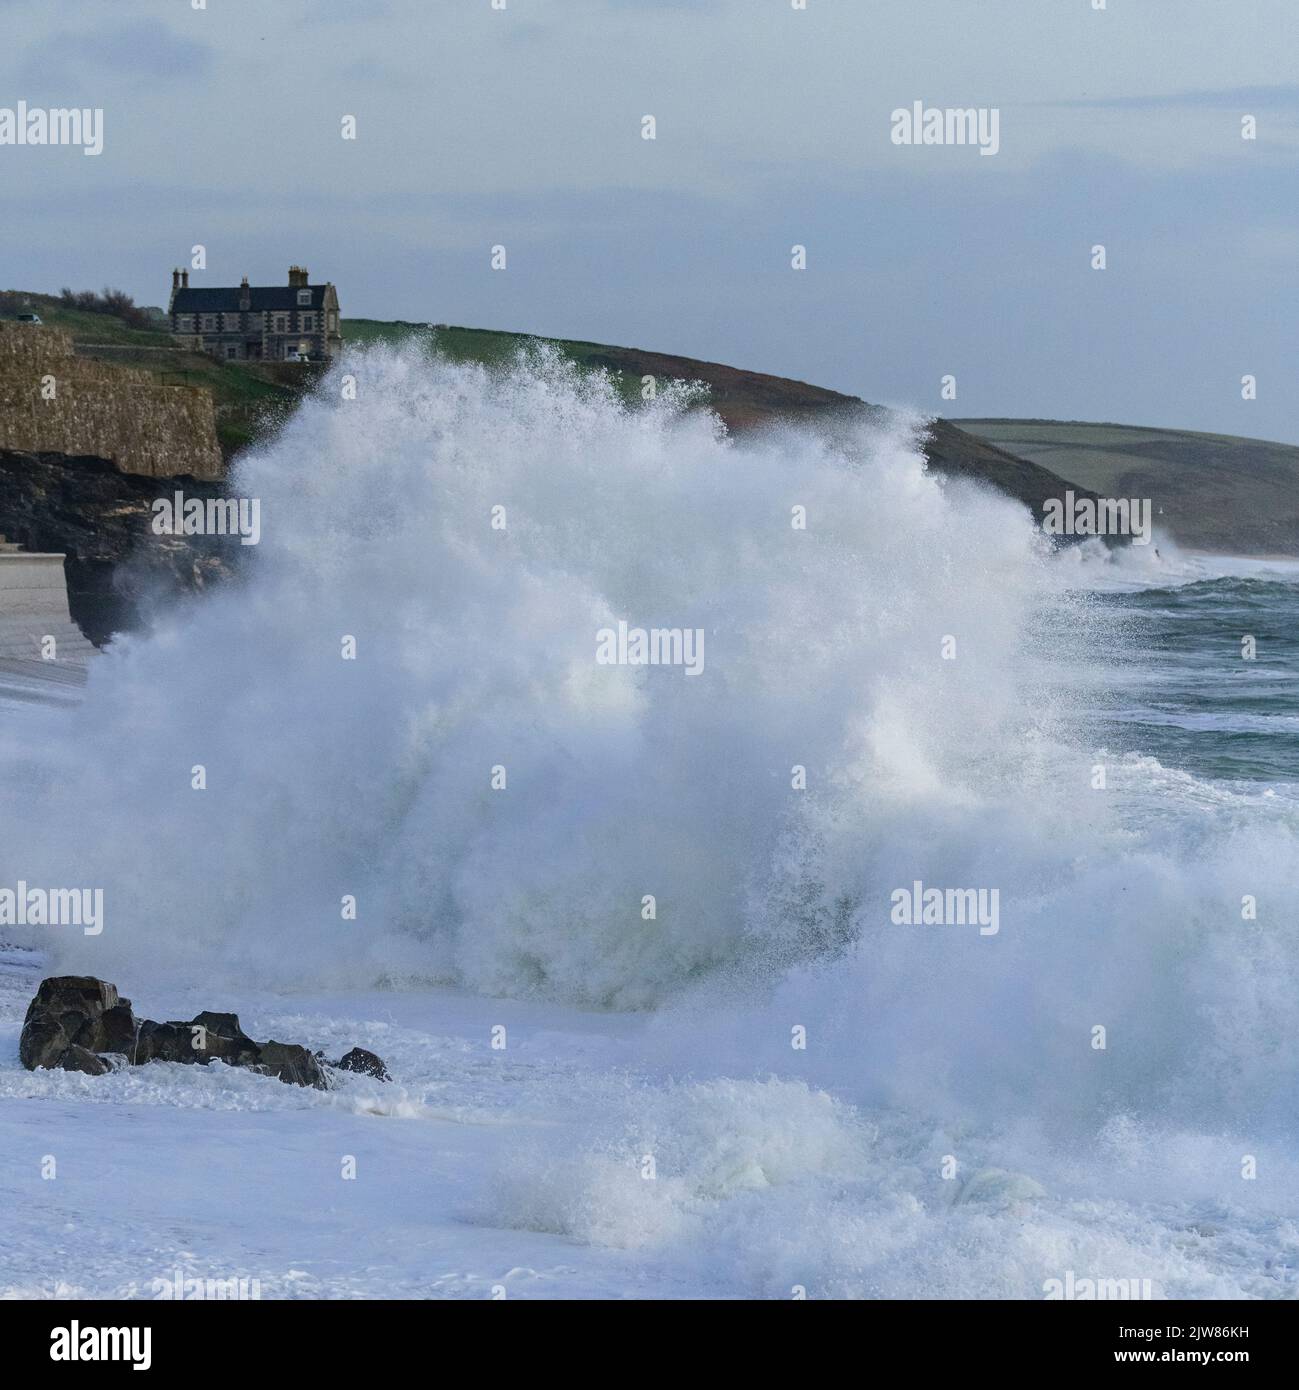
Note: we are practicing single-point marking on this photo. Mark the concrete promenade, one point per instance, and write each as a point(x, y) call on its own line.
point(43, 654)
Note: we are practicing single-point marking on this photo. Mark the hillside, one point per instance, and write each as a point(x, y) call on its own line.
point(1214, 492)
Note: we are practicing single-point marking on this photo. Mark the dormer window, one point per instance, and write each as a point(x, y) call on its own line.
point(304, 299)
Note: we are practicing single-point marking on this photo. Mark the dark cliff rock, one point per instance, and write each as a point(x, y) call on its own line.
point(99, 517)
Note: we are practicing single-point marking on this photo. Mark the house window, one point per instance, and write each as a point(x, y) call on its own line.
point(304, 297)
point(308, 323)
point(280, 324)
point(232, 350)
point(207, 323)
point(333, 322)
point(184, 323)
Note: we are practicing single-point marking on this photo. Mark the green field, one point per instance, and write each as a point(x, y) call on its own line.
point(84, 326)
point(1215, 492)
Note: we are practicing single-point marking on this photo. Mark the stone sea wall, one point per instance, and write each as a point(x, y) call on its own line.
point(52, 401)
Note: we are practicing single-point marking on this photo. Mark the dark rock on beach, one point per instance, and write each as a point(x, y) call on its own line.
point(220, 1036)
point(291, 1062)
point(115, 1031)
point(74, 1011)
point(77, 1058)
point(212, 1036)
point(166, 1042)
point(75, 1020)
point(359, 1060)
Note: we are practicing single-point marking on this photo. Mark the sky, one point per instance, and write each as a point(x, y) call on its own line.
point(479, 126)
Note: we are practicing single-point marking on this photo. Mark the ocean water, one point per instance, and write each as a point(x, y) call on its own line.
point(911, 688)
point(1193, 697)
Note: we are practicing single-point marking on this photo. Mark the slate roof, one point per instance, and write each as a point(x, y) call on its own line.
point(263, 297)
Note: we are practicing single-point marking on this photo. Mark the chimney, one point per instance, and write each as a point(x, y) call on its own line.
point(184, 279)
point(298, 276)
point(245, 296)
point(175, 279)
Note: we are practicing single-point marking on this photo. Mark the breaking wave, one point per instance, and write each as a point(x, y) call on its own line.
point(912, 650)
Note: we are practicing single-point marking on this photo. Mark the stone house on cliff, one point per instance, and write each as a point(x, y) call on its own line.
point(272, 323)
